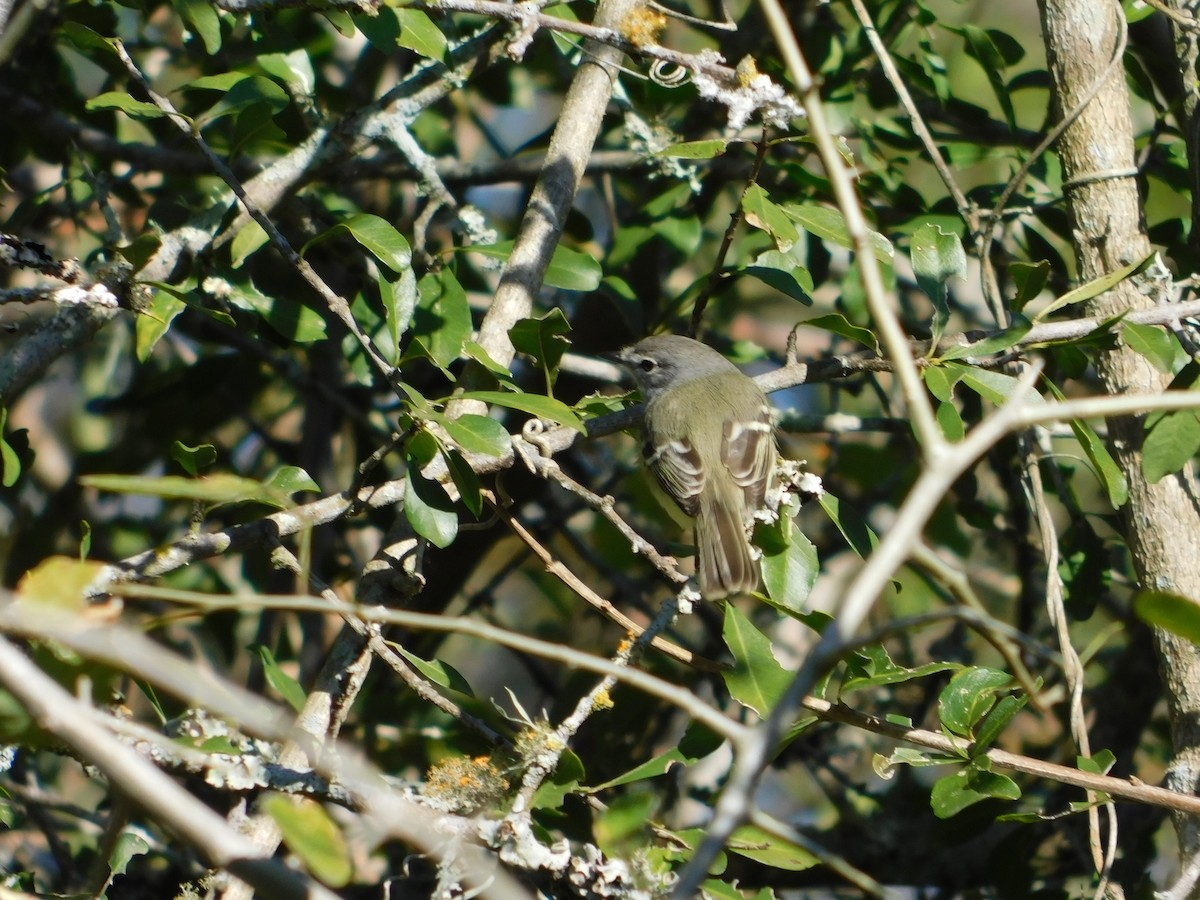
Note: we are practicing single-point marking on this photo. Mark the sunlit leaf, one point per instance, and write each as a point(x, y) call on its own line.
point(311, 834)
point(535, 404)
point(757, 680)
point(1174, 612)
point(286, 686)
point(419, 34)
point(375, 234)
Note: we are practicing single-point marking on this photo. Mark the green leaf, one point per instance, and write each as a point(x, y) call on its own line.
point(784, 273)
point(695, 149)
point(201, 17)
point(341, 20)
point(1152, 342)
point(542, 339)
point(250, 238)
point(222, 81)
point(760, 212)
point(1094, 288)
point(697, 742)
point(193, 459)
point(1106, 467)
point(534, 404)
point(872, 666)
point(58, 583)
point(941, 381)
point(140, 250)
point(1030, 279)
point(127, 846)
point(311, 834)
point(481, 356)
point(399, 298)
point(983, 49)
point(969, 696)
point(766, 849)
point(440, 673)
point(419, 34)
point(968, 786)
point(155, 322)
point(950, 421)
point(429, 509)
point(288, 480)
point(623, 823)
point(996, 721)
point(470, 491)
point(294, 69)
point(212, 489)
point(1170, 444)
point(374, 234)
point(479, 434)
point(563, 782)
point(839, 324)
point(885, 766)
point(790, 572)
point(994, 386)
point(1103, 464)
point(138, 109)
point(442, 320)
point(1176, 613)
point(828, 224)
point(937, 256)
point(285, 685)
point(286, 315)
point(85, 38)
point(681, 232)
point(10, 460)
point(851, 524)
point(569, 270)
point(1099, 763)
point(756, 680)
point(997, 343)
point(653, 768)
point(249, 92)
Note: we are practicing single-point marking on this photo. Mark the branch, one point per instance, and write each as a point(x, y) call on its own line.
point(1131, 789)
point(566, 159)
point(166, 802)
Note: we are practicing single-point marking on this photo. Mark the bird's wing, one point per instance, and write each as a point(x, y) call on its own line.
point(678, 467)
point(748, 451)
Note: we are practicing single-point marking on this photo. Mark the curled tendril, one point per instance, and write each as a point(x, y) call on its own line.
point(669, 74)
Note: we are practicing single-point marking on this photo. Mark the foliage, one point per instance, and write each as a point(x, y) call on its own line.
point(319, 410)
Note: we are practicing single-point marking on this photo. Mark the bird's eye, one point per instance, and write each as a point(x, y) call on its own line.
point(647, 365)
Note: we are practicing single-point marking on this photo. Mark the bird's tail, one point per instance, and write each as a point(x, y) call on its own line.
point(724, 565)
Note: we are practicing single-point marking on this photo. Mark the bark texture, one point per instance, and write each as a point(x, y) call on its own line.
point(1162, 521)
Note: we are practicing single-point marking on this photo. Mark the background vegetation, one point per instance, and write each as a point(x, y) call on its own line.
point(314, 575)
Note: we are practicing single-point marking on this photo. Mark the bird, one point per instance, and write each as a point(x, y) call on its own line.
point(709, 441)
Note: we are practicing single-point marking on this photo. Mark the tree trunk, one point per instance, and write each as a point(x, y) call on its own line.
point(1162, 521)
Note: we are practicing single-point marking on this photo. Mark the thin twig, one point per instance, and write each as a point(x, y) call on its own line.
point(560, 571)
point(891, 334)
point(716, 274)
point(1072, 666)
point(131, 651)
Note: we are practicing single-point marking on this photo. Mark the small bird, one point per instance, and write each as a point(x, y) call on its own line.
point(710, 442)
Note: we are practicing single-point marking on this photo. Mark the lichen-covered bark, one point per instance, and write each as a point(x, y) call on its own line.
point(1162, 521)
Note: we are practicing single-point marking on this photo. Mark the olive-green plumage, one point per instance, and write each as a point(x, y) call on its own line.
point(709, 442)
